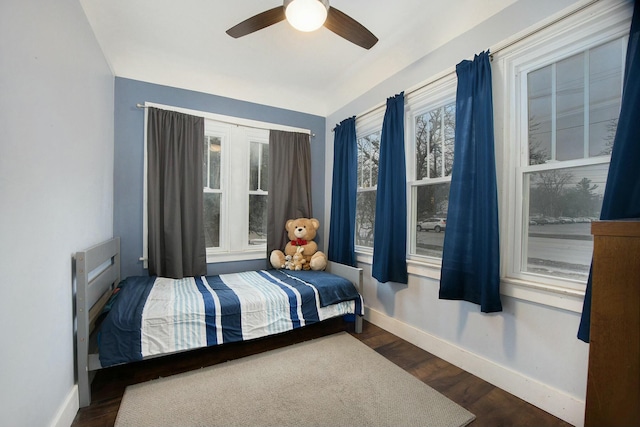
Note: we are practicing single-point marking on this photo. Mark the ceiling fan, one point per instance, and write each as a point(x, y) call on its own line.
point(308, 15)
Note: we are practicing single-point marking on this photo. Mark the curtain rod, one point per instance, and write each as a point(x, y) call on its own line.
point(543, 27)
point(493, 51)
point(312, 135)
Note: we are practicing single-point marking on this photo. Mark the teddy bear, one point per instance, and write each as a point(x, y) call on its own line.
point(296, 261)
point(301, 232)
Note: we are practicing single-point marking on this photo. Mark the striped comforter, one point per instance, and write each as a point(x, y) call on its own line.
point(155, 315)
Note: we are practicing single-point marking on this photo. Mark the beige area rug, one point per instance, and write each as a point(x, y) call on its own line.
point(329, 381)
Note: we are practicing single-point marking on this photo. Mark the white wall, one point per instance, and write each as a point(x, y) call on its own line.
point(529, 349)
point(56, 189)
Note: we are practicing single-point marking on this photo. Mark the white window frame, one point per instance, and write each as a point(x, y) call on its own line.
point(260, 137)
point(595, 25)
point(235, 170)
point(222, 131)
point(366, 125)
point(438, 94)
point(234, 183)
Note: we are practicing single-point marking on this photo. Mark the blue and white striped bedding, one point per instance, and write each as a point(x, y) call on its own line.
point(154, 315)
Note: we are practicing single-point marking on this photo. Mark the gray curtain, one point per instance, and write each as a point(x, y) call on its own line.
point(175, 155)
point(289, 184)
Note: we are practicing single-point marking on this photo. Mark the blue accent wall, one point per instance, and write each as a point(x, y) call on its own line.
point(129, 159)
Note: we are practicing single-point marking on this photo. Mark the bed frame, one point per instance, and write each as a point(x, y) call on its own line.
point(97, 273)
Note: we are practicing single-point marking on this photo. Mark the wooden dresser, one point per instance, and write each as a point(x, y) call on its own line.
point(613, 383)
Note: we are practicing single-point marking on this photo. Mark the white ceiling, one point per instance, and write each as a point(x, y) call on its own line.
point(183, 44)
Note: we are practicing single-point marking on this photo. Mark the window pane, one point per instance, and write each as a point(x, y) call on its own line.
point(562, 203)
point(605, 92)
point(254, 165)
point(539, 107)
point(435, 131)
point(368, 150)
point(435, 142)
point(264, 168)
point(365, 217)
point(258, 182)
point(368, 155)
point(563, 111)
point(212, 171)
point(570, 108)
point(423, 129)
point(432, 202)
point(212, 219)
point(449, 137)
point(257, 219)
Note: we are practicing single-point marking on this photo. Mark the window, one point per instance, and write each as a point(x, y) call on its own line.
point(567, 102)
point(368, 133)
point(431, 136)
point(235, 175)
point(434, 137)
point(556, 97)
point(572, 110)
point(236, 172)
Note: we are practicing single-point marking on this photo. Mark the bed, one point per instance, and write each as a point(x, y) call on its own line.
point(123, 321)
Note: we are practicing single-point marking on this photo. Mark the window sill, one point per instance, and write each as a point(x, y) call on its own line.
point(548, 295)
point(552, 296)
point(414, 267)
point(364, 258)
point(222, 257)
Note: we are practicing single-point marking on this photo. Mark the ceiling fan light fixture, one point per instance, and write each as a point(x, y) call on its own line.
point(306, 15)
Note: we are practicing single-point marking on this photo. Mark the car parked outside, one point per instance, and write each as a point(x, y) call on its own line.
point(435, 224)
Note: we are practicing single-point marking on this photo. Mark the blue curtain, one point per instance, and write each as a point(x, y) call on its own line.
point(343, 194)
point(390, 233)
point(622, 193)
point(471, 256)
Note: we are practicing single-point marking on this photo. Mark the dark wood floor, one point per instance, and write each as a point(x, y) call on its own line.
point(492, 406)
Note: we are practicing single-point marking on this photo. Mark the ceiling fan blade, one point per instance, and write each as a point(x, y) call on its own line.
point(257, 22)
point(348, 28)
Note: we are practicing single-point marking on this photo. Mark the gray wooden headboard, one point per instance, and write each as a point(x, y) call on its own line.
point(97, 272)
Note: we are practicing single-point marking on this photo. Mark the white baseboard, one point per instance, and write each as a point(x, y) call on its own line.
point(547, 398)
point(68, 410)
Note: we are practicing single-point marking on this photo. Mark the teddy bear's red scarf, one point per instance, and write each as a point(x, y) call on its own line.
point(298, 242)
